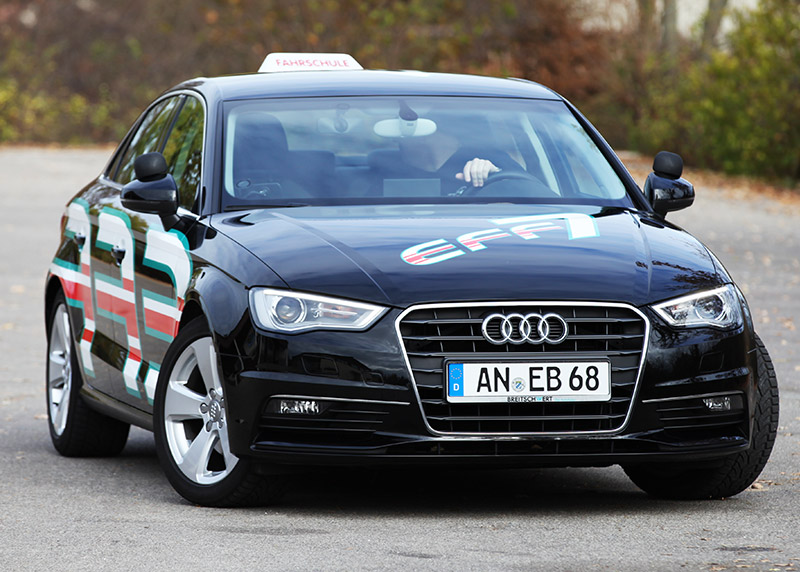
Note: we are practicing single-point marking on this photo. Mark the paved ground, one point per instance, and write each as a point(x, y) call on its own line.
point(79, 514)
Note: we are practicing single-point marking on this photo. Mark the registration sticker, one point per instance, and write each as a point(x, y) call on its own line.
point(528, 382)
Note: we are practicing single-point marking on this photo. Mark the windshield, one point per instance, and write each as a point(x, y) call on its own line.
point(384, 150)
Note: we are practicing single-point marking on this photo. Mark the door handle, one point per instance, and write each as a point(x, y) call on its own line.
point(118, 252)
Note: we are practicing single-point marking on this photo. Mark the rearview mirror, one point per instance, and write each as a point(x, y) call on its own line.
point(664, 187)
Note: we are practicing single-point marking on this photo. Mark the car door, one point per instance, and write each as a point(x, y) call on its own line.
point(112, 259)
point(158, 261)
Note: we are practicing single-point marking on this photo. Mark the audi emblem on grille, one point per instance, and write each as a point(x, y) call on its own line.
point(519, 329)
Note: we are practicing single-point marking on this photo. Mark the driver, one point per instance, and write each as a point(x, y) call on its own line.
point(456, 153)
point(476, 171)
point(442, 154)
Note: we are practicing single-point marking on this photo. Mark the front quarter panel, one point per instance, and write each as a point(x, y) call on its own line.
point(222, 273)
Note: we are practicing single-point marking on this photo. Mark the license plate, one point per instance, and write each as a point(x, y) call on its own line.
point(528, 382)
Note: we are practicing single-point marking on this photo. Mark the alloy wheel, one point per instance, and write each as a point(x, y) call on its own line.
point(59, 370)
point(194, 416)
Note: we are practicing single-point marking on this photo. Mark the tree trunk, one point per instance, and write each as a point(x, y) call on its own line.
point(716, 9)
point(647, 27)
point(669, 38)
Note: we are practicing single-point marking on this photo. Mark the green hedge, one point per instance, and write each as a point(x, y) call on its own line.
point(740, 110)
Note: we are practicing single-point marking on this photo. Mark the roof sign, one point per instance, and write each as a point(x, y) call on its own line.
point(279, 62)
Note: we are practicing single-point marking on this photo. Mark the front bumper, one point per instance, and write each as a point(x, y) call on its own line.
point(371, 409)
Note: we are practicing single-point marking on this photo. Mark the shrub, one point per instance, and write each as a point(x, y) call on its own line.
point(739, 111)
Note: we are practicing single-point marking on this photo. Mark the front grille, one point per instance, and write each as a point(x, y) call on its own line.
point(432, 334)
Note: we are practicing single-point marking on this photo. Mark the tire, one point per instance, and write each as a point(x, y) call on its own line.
point(191, 429)
point(732, 474)
point(75, 429)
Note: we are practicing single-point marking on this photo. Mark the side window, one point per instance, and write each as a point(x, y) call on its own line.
point(184, 150)
point(146, 138)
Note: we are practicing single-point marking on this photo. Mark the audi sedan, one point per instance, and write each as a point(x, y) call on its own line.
point(322, 265)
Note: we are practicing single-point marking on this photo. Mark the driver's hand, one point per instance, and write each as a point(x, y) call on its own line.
point(476, 171)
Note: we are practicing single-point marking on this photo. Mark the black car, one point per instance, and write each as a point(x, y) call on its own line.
point(355, 267)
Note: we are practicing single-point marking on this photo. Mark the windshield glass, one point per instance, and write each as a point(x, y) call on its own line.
point(379, 150)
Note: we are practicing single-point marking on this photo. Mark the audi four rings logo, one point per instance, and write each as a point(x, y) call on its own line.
point(518, 329)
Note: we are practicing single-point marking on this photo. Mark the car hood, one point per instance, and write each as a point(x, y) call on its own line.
point(403, 255)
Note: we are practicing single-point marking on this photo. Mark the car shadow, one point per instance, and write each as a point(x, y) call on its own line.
point(434, 492)
point(431, 493)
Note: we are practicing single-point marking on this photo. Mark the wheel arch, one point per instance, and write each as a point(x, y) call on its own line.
point(192, 310)
point(53, 286)
point(219, 299)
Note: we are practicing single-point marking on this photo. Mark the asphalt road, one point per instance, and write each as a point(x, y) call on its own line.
point(120, 513)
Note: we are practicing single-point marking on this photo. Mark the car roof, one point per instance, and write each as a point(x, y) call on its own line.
point(363, 83)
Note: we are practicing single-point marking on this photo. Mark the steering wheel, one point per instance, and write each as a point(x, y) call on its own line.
point(539, 188)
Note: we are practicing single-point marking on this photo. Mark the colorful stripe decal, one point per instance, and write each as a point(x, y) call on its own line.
point(115, 298)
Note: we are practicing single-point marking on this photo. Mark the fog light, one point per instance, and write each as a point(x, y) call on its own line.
point(718, 403)
point(298, 407)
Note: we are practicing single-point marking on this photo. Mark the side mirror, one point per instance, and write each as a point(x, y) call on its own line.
point(154, 190)
point(664, 187)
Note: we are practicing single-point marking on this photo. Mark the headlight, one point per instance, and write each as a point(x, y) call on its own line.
point(284, 311)
point(718, 308)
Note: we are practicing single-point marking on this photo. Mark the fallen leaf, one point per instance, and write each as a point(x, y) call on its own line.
point(757, 486)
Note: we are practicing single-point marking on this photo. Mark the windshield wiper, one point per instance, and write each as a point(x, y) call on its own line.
point(230, 208)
